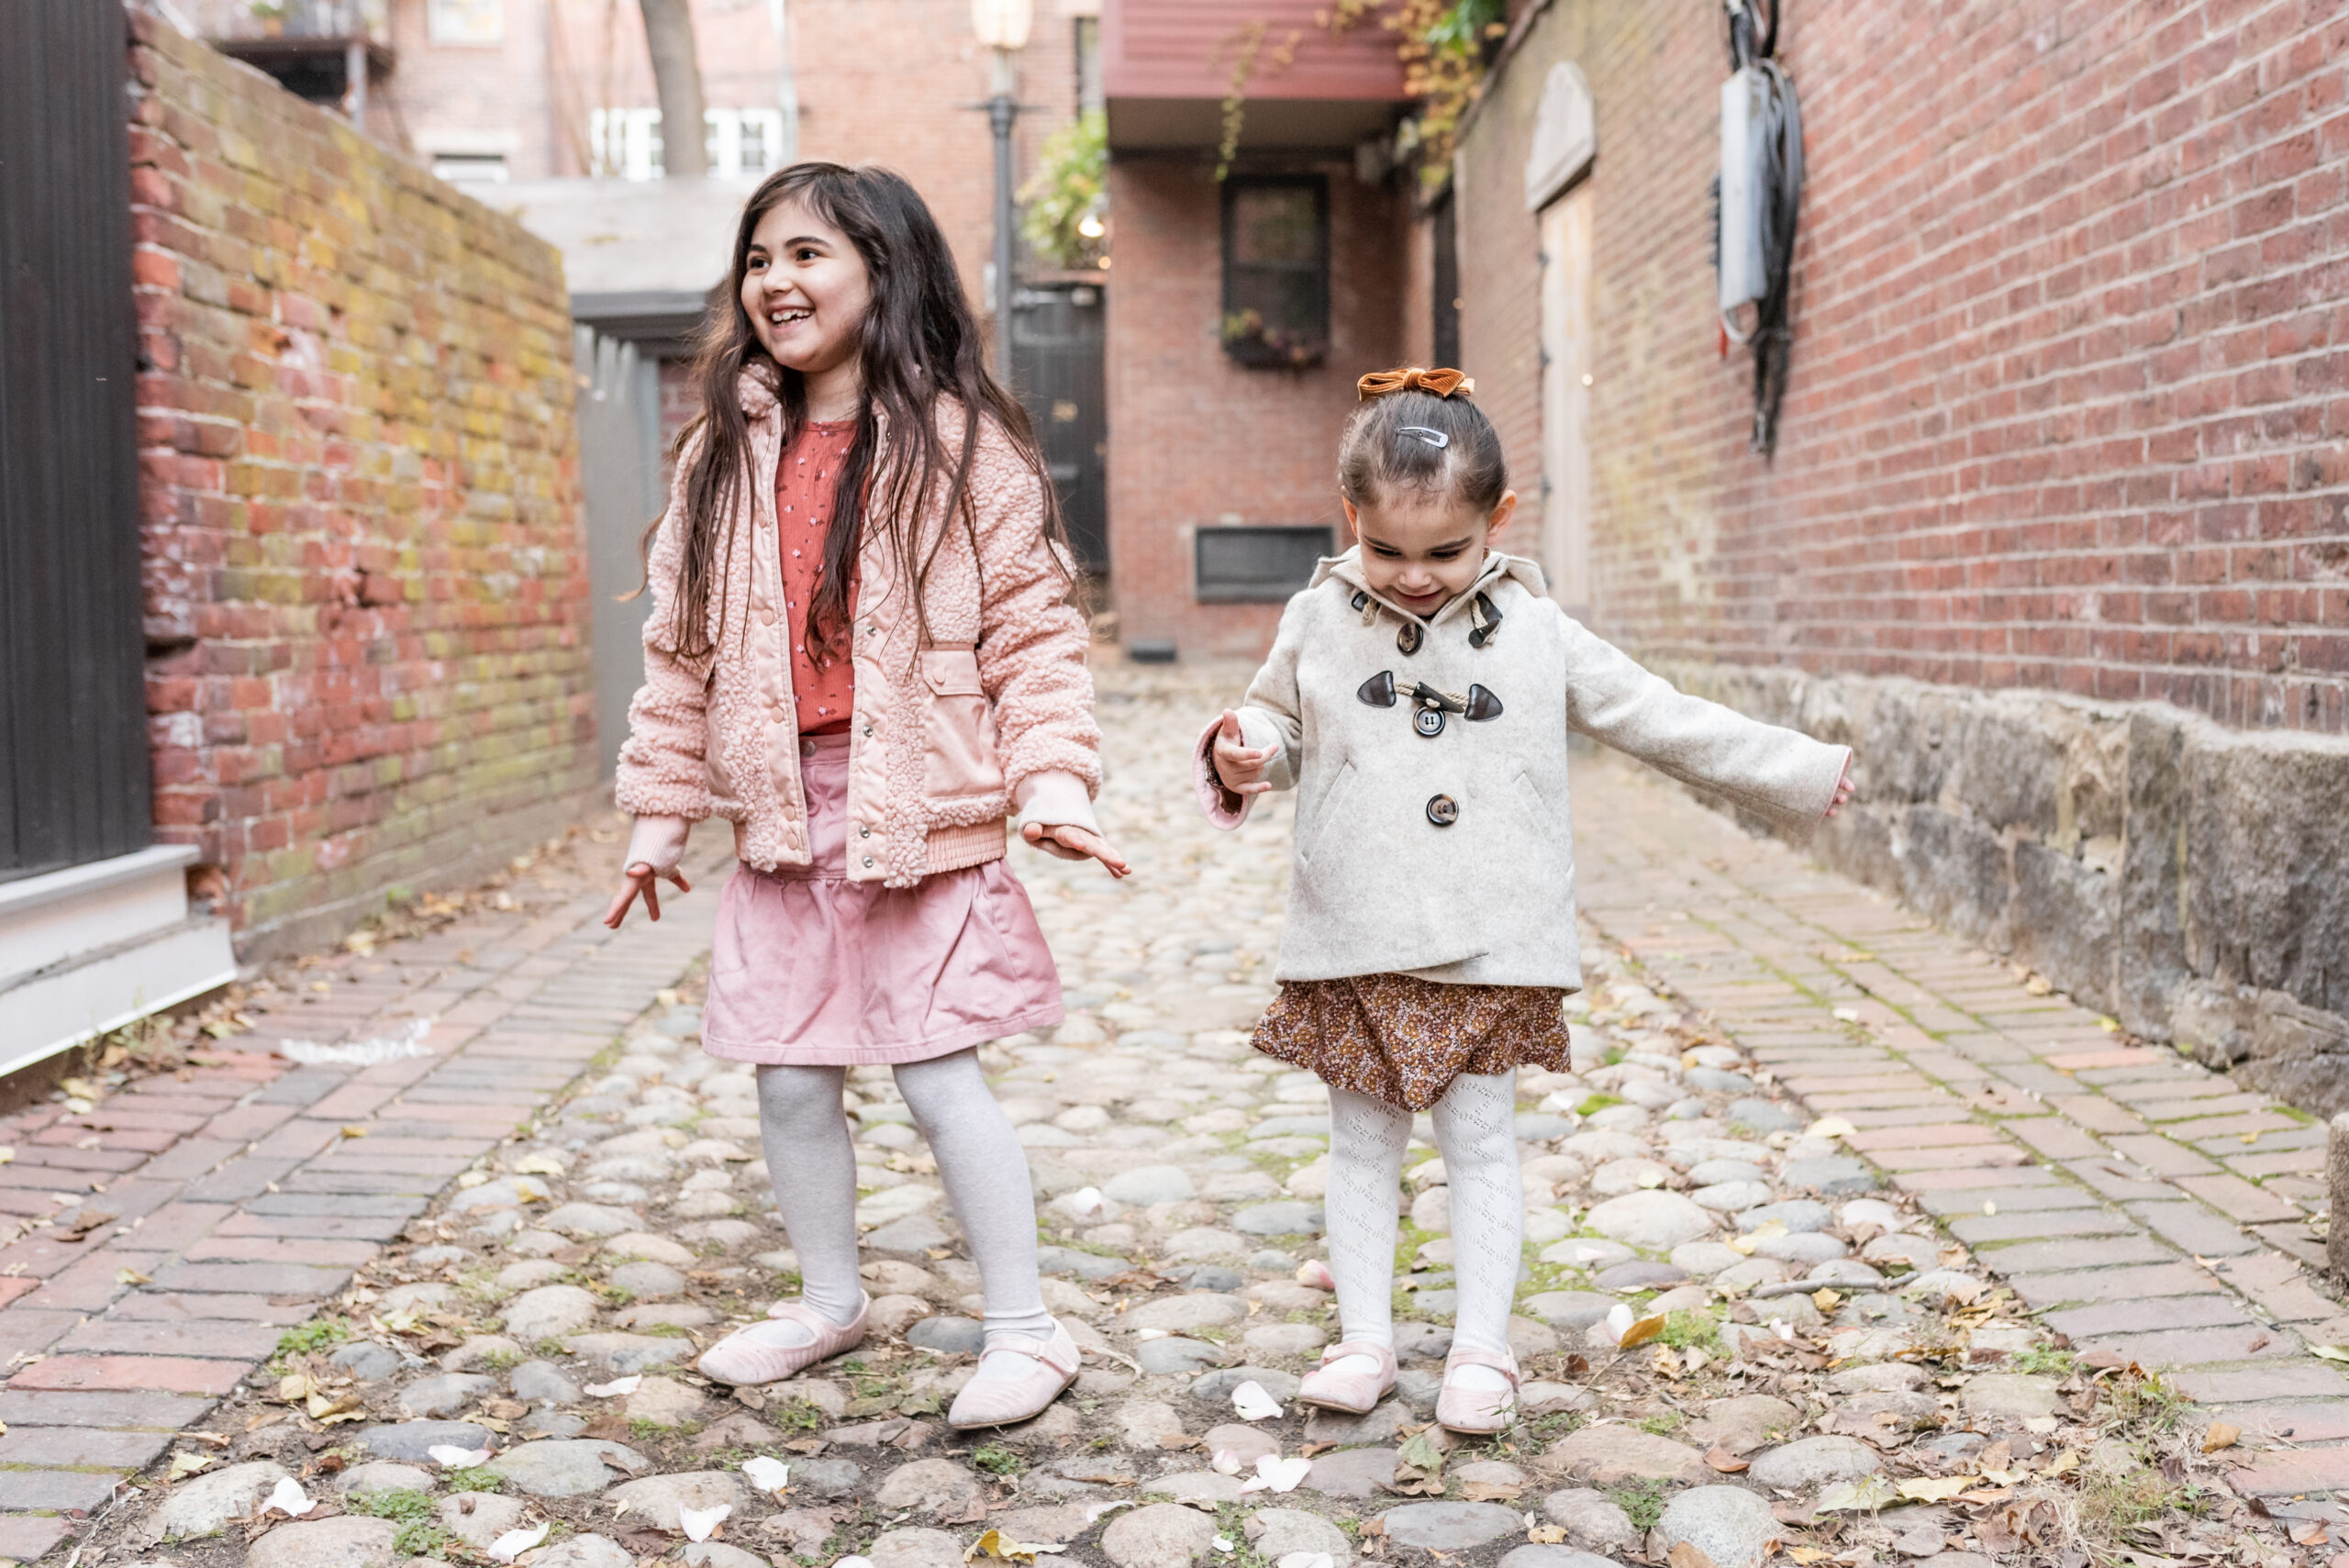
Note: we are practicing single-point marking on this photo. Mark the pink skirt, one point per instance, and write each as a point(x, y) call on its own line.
point(810, 969)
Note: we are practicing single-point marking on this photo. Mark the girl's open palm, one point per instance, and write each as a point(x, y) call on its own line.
point(643, 879)
point(1239, 765)
point(1070, 843)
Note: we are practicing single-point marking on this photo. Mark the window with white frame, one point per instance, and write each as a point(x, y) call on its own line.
point(626, 143)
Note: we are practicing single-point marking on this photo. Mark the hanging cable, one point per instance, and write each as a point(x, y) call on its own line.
point(1757, 205)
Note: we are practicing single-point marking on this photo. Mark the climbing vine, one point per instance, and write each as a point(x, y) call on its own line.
point(1445, 47)
point(1065, 199)
point(1245, 44)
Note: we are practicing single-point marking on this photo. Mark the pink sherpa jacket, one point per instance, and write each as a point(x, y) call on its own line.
point(992, 713)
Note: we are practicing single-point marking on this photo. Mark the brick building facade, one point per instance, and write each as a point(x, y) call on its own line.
point(365, 595)
point(2055, 531)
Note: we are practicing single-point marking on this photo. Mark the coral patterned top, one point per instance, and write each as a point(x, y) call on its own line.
point(804, 483)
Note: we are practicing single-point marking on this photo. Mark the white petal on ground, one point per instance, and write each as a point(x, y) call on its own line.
point(700, 1522)
point(515, 1542)
point(1252, 1403)
point(457, 1458)
point(289, 1499)
point(767, 1474)
point(617, 1388)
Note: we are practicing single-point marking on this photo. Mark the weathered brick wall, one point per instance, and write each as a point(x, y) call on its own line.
point(2071, 374)
point(1199, 440)
point(2054, 535)
point(366, 589)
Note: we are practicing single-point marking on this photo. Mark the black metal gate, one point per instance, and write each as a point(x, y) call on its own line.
point(1057, 338)
point(74, 784)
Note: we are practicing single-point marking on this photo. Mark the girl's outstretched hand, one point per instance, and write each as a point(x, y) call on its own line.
point(1239, 765)
point(1842, 789)
point(643, 879)
point(1071, 843)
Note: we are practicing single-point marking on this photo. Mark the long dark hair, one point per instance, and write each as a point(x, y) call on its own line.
point(919, 344)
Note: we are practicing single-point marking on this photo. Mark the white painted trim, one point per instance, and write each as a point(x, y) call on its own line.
point(1565, 135)
point(31, 891)
point(62, 1006)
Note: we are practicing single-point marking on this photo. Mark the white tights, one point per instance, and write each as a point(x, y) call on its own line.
point(1476, 1128)
point(980, 1163)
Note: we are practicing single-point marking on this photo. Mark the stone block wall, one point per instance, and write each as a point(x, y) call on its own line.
point(366, 610)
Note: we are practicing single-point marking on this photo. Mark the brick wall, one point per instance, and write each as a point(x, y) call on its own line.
point(2071, 370)
point(1199, 440)
point(366, 611)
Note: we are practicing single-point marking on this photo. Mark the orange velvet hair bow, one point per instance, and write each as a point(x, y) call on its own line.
point(1441, 383)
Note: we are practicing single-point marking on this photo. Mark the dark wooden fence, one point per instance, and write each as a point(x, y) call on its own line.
point(74, 784)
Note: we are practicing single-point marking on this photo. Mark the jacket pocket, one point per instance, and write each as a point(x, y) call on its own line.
point(957, 726)
point(1316, 826)
point(713, 743)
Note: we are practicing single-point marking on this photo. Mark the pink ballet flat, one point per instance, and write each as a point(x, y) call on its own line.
point(746, 1356)
point(1353, 1392)
point(1003, 1402)
point(1478, 1409)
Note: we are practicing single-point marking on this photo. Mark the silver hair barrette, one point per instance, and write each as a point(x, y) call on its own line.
point(1435, 439)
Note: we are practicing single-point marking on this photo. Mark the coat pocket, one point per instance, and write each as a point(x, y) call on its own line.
point(957, 726)
point(713, 743)
point(1316, 827)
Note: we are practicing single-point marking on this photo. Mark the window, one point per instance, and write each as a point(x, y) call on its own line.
point(470, 168)
point(1235, 565)
point(468, 21)
point(626, 142)
point(1277, 271)
point(1089, 95)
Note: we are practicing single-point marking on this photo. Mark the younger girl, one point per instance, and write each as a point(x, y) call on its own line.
point(1419, 698)
point(861, 653)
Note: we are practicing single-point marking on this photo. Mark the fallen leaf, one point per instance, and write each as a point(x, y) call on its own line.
point(1721, 1459)
point(538, 1165)
point(1806, 1555)
point(2331, 1353)
point(1641, 1332)
point(515, 1542)
point(1489, 1491)
point(1002, 1548)
point(352, 1129)
point(2063, 1462)
point(1870, 1492)
point(1829, 1127)
point(326, 1409)
point(1919, 1489)
point(1250, 1399)
point(2219, 1435)
point(1419, 1467)
point(1826, 1300)
point(288, 1498)
point(1688, 1554)
point(130, 1277)
point(184, 1463)
point(1546, 1535)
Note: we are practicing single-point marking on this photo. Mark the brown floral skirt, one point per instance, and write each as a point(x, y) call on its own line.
point(1403, 1039)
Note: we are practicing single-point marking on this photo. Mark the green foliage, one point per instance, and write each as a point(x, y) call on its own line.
point(315, 1335)
point(1067, 188)
point(1597, 1103)
point(2044, 1360)
point(1663, 1424)
point(1643, 1500)
point(480, 1478)
point(397, 1504)
point(1692, 1326)
point(797, 1416)
point(997, 1460)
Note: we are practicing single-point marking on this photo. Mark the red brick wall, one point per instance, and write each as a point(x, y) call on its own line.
point(1196, 439)
point(366, 608)
point(2071, 366)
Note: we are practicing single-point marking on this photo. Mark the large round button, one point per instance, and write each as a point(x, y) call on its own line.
point(1442, 810)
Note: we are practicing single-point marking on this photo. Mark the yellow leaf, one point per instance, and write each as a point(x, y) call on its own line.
point(293, 1388)
point(2063, 1462)
point(352, 1129)
point(1547, 1535)
point(2110, 1025)
point(1003, 1549)
point(184, 1463)
point(1829, 1127)
point(1806, 1555)
point(2219, 1435)
point(8, 1153)
point(1641, 1332)
point(1921, 1490)
point(1825, 1300)
point(130, 1277)
point(2331, 1353)
point(538, 1165)
point(1688, 1554)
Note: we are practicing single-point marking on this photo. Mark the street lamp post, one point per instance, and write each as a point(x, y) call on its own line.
point(1003, 25)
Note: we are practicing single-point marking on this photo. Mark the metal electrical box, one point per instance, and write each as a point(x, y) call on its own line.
point(1745, 98)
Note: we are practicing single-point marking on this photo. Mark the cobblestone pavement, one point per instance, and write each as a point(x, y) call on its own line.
point(1803, 1228)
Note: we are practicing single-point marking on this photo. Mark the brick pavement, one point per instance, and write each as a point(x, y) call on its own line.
point(2144, 1205)
point(228, 1202)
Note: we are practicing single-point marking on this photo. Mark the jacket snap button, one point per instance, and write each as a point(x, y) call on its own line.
point(864, 832)
point(766, 616)
point(868, 861)
point(1442, 810)
point(868, 732)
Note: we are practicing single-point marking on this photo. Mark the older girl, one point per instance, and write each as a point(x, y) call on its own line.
point(862, 654)
point(1419, 698)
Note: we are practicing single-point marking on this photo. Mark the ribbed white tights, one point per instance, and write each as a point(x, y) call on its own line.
point(980, 1163)
point(1476, 1130)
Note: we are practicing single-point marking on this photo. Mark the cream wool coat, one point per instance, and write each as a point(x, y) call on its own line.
point(1381, 884)
point(992, 713)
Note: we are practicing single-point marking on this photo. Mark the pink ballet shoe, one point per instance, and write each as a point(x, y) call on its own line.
point(1353, 1392)
point(746, 1356)
point(1002, 1402)
point(1463, 1409)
